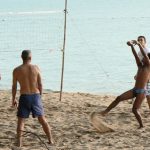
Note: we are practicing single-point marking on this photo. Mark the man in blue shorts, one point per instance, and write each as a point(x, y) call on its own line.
point(29, 78)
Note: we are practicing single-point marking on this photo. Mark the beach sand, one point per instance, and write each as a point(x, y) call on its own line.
point(71, 125)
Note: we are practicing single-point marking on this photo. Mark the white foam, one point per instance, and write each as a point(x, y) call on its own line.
point(31, 12)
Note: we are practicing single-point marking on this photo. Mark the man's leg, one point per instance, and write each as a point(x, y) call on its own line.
point(148, 100)
point(137, 103)
point(46, 128)
point(20, 127)
point(125, 96)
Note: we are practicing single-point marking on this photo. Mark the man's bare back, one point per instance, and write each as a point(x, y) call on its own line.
point(28, 76)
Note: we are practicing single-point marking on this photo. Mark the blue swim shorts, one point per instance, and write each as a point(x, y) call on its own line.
point(30, 103)
point(138, 91)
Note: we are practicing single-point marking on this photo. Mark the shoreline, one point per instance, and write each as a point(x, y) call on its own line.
point(71, 92)
point(70, 123)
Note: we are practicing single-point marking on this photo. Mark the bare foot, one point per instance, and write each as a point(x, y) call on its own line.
point(140, 127)
point(15, 148)
point(100, 114)
point(19, 143)
point(103, 113)
point(51, 142)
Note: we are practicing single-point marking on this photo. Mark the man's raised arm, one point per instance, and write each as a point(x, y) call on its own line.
point(142, 50)
point(138, 62)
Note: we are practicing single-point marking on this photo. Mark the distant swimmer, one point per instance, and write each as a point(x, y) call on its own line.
point(29, 78)
point(139, 90)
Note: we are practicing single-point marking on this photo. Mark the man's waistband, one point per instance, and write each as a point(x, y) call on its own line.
point(29, 94)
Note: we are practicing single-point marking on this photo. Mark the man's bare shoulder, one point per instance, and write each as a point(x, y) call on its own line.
point(17, 68)
point(36, 67)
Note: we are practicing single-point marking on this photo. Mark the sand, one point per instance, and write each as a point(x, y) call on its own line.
point(98, 122)
point(71, 126)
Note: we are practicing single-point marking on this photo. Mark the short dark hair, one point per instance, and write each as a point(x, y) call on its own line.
point(141, 36)
point(25, 54)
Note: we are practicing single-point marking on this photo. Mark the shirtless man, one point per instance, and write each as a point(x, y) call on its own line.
point(139, 91)
point(29, 78)
point(142, 41)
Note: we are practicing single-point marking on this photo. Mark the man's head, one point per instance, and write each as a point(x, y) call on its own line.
point(26, 55)
point(142, 40)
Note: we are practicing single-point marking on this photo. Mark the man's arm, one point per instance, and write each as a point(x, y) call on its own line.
point(143, 52)
point(14, 89)
point(138, 62)
point(40, 87)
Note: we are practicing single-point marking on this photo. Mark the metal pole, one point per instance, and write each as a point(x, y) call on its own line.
point(63, 50)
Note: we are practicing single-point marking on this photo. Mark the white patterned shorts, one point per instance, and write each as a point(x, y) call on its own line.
point(148, 88)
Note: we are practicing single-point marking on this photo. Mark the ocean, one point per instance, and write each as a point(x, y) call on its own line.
point(97, 59)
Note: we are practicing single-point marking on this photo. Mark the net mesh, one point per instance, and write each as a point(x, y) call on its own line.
point(31, 30)
point(42, 33)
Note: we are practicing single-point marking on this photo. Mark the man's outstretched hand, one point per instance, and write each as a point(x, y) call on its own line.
point(130, 43)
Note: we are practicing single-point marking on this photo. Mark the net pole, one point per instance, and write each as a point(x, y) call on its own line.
point(63, 50)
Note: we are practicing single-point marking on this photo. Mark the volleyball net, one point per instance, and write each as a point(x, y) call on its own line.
point(41, 30)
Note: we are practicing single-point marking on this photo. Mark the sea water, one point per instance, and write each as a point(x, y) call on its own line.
point(97, 59)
